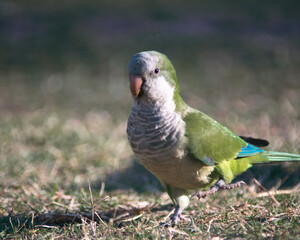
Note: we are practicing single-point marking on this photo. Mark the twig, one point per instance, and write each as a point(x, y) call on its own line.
point(170, 213)
point(277, 192)
point(102, 188)
point(101, 220)
point(45, 226)
point(271, 196)
point(133, 218)
point(61, 218)
point(114, 215)
point(209, 225)
point(58, 218)
point(173, 230)
point(92, 200)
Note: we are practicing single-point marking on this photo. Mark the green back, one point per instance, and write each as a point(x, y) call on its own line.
point(209, 141)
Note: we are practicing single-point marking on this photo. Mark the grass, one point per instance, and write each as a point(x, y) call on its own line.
point(129, 215)
point(64, 103)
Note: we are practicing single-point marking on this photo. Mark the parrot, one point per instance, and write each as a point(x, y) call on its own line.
point(190, 153)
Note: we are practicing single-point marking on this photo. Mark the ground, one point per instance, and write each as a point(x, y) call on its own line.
point(64, 103)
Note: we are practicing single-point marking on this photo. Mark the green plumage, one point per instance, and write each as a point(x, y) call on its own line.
point(212, 141)
point(192, 151)
point(208, 140)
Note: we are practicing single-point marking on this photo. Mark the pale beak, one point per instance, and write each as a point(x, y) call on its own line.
point(136, 82)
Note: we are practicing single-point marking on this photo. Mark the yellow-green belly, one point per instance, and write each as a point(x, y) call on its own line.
point(184, 173)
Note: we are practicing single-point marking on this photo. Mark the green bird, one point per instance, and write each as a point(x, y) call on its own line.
point(183, 147)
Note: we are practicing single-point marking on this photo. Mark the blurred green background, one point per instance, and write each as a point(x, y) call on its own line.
point(64, 96)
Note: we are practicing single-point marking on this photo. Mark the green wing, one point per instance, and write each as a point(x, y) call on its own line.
point(209, 141)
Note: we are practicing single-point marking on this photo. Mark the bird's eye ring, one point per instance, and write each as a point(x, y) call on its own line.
point(156, 71)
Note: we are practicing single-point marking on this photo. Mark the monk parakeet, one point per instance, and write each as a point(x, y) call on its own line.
point(183, 147)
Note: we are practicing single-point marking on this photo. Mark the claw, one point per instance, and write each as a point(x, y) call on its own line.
point(204, 194)
point(233, 185)
point(220, 185)
point(166, 225)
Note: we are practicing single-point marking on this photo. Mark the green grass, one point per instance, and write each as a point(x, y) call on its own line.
point(64, 103)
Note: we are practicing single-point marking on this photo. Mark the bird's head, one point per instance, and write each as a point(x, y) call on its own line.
point(152, 77)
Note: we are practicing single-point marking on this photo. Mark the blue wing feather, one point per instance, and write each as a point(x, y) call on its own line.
point(249, 150)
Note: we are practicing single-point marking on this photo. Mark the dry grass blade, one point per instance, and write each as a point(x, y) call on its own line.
point(172, 230)
point(209, 225)
point(168, 216)
point(269, 194)
point(277, 192)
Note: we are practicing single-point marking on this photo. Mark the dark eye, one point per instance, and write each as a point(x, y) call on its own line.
point(156, 70)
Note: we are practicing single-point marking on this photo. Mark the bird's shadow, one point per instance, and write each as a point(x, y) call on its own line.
point(273, 175)
point(137, 178)
point(134, 177)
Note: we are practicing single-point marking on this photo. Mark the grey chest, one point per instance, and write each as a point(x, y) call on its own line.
point(154, 132)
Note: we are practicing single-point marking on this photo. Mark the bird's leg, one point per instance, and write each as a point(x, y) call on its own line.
point(181, 201)
point(176, 216)
point(220, 185)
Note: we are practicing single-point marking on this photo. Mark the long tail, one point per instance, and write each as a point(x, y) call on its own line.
point(232, 168)
point(281, 156)
point(270, 156)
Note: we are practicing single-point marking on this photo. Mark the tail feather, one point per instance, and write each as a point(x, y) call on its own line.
point(281, 156)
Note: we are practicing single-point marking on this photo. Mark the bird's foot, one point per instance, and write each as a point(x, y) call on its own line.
point(174, 221)
point(175, 218)
point(204, 194)
point(232, 185)
point(220, 185)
